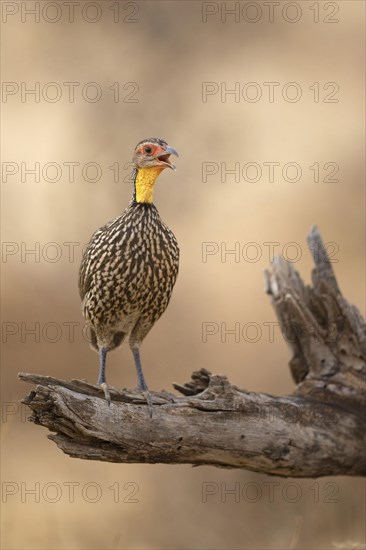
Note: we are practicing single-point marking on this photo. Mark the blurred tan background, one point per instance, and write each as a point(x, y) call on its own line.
point(167, 51)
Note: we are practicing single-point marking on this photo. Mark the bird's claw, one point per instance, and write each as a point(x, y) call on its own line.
point(107, 394)
point(145, 392)
point(149, 403)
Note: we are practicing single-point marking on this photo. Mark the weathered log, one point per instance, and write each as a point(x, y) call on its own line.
point(318, 430)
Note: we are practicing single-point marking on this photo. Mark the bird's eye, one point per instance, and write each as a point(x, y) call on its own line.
point(148, 149)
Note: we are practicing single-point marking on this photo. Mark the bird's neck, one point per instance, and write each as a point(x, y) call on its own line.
point(144, 182)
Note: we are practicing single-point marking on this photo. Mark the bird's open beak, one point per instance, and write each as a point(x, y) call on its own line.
point(164, 157)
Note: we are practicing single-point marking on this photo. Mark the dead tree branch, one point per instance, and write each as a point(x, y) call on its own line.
point(319, 430)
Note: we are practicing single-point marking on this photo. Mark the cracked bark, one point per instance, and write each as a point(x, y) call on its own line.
point(318, 430)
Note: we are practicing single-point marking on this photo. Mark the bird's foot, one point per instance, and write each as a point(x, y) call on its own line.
point(149, 402)
point(105, 389)
point(145, 392)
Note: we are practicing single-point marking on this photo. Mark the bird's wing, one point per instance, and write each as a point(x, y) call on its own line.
point(91, 257)
point(86, 266)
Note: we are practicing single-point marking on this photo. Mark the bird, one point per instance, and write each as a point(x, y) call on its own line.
point(129, 267)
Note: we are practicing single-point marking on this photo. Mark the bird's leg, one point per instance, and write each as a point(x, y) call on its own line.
point(140, 375)
point(102, 380)
point(142, 386)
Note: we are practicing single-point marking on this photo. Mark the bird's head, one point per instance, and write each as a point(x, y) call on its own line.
point(150, 158)
point(153, 152)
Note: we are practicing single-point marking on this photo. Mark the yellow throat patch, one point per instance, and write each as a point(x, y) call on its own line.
point(145, 181)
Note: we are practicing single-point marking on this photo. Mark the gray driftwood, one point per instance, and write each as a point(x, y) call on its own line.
point(318, 430)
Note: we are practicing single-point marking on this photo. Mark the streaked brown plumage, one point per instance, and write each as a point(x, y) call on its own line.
point(130, 266)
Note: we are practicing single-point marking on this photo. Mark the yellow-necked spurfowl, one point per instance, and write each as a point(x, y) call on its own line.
point(130, 266)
